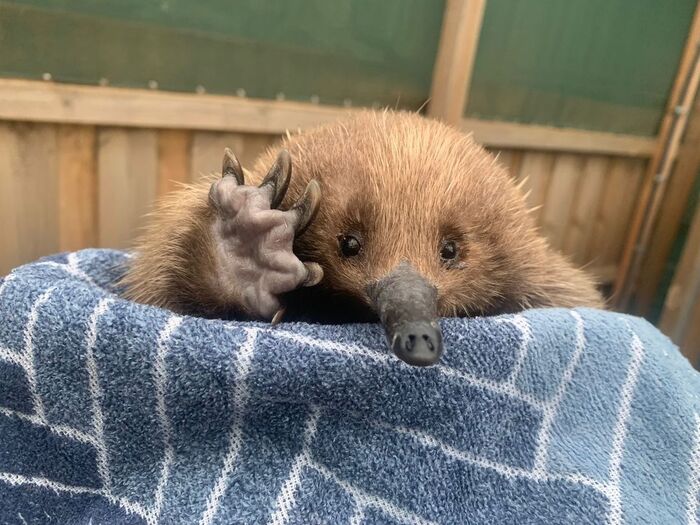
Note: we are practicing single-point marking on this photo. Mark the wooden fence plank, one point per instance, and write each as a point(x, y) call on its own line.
point(174, 159)
point(37, 101)
point(128, 177)
point(613, 189)
point(253, 146)
point(28, 193)
point(77, 194)
point(537, 168)
point(560, 197)
point(10, 214)
point(635, 176)
point(619, 196)
point(545, 138)
point(585, 208)
point(680, 318)
point(511, 159)
point(504, 156)
point(678, 293)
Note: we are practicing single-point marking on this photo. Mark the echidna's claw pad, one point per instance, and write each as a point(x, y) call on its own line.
point(255, 263)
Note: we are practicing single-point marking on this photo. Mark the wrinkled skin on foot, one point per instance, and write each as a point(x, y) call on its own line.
point(253, 239)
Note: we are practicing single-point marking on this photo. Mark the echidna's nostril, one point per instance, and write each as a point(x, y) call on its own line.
point(418, 343)
point(410, 342)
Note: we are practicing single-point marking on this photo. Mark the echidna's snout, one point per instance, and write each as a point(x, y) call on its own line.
point(407, 307)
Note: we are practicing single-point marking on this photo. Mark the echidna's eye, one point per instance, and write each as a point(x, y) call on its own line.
point(448, 251)
point(349, 245)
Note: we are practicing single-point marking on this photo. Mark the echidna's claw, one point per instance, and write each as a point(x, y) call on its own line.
point(277, 179)
point(231, 167)
point(255, 262)
point(306, 207)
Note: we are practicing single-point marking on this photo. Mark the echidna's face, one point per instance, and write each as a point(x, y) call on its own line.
point(416, 222)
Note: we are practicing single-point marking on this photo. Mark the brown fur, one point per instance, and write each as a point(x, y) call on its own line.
point(401, 182)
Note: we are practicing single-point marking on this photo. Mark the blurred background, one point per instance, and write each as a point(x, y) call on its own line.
point(106, 104)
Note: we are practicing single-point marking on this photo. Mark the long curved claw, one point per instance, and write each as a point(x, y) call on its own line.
point(277, 318)
point(314, 274)
point(232, 168)
point(277, 179)
point(306, 208)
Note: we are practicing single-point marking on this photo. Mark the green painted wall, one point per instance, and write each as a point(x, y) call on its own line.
point(593, 64)
point(363, 50)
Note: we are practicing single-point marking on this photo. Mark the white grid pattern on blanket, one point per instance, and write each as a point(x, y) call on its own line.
point(96, 393)
point(286, 499)
point(65, 431)
point(71, 266)
point(240, 400)
point(523, 327)
point(358, 516)
point(623, 415)
point(28, 354)
point(552, 407)
point(160, 381)
point(25, 360)
point(35, 481)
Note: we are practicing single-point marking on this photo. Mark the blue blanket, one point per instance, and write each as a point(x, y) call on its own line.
point(114, 412)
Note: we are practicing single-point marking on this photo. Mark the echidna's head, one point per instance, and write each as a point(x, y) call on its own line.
point(416, 222)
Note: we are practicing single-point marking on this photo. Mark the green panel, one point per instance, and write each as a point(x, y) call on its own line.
point(362, 50)
point(593, 64)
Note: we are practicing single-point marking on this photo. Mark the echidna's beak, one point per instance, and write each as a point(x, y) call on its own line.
point(407, 307)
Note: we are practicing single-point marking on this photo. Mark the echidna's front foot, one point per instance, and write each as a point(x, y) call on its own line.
point(253, 240)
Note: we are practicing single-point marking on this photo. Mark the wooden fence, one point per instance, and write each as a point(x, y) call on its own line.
point(66, 187)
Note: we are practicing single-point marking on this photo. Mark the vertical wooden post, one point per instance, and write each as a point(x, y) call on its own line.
point(680, 318)
point(670, 131)
point(674, 203)
point(461, 26)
